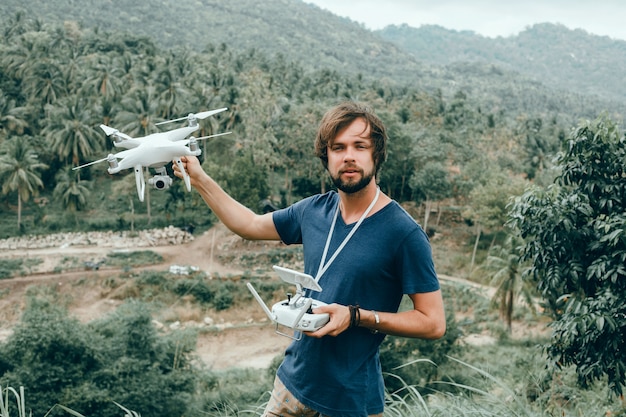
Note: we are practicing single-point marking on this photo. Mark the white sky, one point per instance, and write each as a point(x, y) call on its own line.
point(489, 18)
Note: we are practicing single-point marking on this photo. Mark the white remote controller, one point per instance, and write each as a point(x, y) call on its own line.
point(300, 317)
point(296, 311)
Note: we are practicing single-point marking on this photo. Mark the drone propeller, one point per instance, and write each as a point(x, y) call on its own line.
point(110, 131)
point(212, 136)
point(112, 158)
point(201, 115)
point(90, 163)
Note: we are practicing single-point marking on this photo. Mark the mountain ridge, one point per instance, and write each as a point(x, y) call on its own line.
point(431, 58)
point(572, 60)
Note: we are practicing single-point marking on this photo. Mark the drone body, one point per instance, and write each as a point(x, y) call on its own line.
point(155, 151)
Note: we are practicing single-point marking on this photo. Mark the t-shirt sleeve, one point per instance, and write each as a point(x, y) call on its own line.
point(288, 223)
point(418, 270)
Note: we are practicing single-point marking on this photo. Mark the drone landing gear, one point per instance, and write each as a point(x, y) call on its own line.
point(141, 184)
point(185, 175)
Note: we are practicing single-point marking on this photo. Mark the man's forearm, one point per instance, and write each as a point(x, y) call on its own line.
point(237, 217)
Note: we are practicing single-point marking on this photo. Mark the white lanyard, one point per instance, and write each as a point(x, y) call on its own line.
point(324, 266)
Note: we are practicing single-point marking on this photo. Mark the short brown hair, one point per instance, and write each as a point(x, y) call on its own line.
point(340, 117)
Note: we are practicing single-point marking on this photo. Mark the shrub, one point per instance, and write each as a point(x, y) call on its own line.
point(85, 367)
point(404, 358)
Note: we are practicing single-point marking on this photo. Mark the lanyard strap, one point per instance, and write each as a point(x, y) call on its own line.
point(324, 266)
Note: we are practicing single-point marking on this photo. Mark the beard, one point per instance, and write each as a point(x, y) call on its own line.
point(353, 185)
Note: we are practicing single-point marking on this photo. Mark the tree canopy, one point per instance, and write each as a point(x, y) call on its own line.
point(575, 238)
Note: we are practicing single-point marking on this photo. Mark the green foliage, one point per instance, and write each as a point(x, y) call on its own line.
point(489, 200)
point(575, 237)
point(232, 392)
point(84, 367)
point(505, 268)
point(275, 103)
point(134, 258)
point(200, 288)
point(10, 268)
point(71, 190)
point(20, 172)
point(6, 401)
point(415, 362)
point(243, 179)
point(431, 182)
point(47, 351)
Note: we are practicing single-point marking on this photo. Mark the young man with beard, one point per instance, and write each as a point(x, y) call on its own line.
point(366, 252)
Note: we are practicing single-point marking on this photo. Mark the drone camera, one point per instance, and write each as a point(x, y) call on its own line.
point(160, 182)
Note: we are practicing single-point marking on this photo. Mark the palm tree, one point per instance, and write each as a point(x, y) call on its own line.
point(16, 26)
point(11, 117)
point(73, 192)
point(138, 109)
point(104, 76)
point(70, 132)
point(18, 170)
point(169, 86)
point(506, 270)
point(44, 83)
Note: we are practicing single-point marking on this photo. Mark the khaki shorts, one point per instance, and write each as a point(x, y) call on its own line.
point(283, 404)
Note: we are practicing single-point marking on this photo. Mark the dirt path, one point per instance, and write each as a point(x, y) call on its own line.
point(245, 340)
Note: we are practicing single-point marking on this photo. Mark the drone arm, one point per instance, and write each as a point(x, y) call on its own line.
point(213, 136)
point(109, 131)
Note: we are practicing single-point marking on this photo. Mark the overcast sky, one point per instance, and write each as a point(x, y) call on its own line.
point(490, 18)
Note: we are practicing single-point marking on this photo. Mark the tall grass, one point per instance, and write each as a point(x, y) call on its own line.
point(20, 403)
point(500, 400)
point(127, 412)
point(453, 400)
point(496, 398)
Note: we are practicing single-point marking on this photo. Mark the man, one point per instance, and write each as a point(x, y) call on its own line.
point(364, 250)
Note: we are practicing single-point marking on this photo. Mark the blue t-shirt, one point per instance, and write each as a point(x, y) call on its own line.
point(388, 256)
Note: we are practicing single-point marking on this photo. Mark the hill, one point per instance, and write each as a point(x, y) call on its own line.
point(543, 68)
point(571, 60)
point(290, 28)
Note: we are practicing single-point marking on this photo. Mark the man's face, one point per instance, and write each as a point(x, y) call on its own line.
point(350, 161)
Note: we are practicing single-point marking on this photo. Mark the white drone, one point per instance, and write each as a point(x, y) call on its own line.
point(155, 151)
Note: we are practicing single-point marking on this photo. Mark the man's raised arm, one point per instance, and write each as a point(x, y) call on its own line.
point(237, 217)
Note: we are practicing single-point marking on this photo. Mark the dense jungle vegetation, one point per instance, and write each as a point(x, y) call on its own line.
point(59, 82)
point(466, 137)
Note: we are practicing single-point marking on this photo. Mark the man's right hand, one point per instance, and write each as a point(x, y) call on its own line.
point(192, 166)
